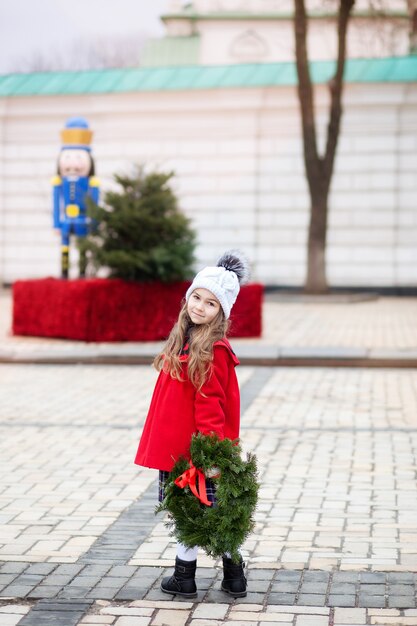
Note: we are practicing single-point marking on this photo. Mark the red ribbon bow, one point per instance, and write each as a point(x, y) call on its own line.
point(189, 477)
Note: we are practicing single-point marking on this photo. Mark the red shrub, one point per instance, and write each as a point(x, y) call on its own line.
point(115, 310)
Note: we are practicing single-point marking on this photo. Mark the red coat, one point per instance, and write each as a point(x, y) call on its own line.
point(177, 411)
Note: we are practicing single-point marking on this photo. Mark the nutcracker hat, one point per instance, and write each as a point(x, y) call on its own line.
point(76, 134)
point(223, 280)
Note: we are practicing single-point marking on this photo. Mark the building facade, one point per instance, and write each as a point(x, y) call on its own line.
point(221, 32)
point(231, 133)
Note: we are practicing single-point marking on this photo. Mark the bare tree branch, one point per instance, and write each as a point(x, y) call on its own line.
point(85, 54)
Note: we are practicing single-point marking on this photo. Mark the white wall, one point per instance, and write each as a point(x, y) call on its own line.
point(271, 39)
point(238, 158)
point(267, 41)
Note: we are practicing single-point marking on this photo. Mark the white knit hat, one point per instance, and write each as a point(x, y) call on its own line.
point(223, 280)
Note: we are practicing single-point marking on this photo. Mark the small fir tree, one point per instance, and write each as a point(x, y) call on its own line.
point(141, 234)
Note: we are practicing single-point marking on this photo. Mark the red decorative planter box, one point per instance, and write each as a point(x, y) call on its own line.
point(115, 310)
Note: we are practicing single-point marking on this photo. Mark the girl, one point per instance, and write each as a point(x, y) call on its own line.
point(197, 391)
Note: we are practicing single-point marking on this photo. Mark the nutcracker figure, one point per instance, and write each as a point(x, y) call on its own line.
point(73, 184)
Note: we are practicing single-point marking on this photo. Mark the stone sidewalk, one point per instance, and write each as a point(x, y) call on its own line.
point(336, 527)
point(338, 330)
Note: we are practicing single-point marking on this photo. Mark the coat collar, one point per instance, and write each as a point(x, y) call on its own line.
point(225, 342)
point(222, 342)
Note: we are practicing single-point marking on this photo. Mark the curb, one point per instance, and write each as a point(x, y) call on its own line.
point(284, 361)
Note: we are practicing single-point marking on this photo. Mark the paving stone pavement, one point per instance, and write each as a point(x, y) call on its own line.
point(336, 532)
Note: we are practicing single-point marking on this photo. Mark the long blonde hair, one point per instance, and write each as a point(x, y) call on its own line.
point(200, 355)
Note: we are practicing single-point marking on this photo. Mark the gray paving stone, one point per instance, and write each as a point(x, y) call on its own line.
point(143, 581)
point(131, 593)
point(73, 592)
point(12, 568)
point(40, 618)
point(281, 598)
point(95, 569)
point(343, 601)
point(41, 568)
point(402, 589)
point(251, 598)
point(307, 599)
point(123, 571)
point(68, 570)
point(255, 585)
point(372, 590)
point(56, 613)
point(6, 579)
point(286, 575)
point(203, 584)
point(345, 577)
point(28, 579)
point(62, 605)
point(316, 577)
point(254, 385)
point(185, 600)
point(16, 591)
point(40, 592)
point(372, 577)
point(401, 577)
point(259, 574)
point(203, 572)
point(338, 589)
point(106, 559)
point(212, 596)
point(108, 581)
point(119, 542)
point(314, 588)
point(401, 602)
point(371, 601)
point(102, 593)
point(112, 556)
point(148, 583)
point(84, 581)
point(57, 579)
point(287, 587)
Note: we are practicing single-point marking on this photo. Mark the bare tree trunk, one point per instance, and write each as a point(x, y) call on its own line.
point(412, 11)
point(319, 169)
point(316, 281)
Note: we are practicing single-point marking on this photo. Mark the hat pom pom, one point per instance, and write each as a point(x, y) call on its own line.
point(235, 261)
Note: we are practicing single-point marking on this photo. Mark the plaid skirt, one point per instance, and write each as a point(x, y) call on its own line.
point(210, 487)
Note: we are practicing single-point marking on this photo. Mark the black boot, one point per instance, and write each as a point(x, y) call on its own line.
point(234, 580)
point(182, 582)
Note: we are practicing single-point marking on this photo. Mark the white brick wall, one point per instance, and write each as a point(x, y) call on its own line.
point(237, 155)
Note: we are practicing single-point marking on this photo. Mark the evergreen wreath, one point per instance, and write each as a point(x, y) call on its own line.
point(223, 527)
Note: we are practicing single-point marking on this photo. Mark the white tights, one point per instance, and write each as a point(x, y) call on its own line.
point(186, 554)
point(190, 554)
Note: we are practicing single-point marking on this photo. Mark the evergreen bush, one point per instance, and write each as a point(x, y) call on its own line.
point(140, 233)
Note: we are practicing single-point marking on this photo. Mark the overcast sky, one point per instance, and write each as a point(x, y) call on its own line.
point(49, 27)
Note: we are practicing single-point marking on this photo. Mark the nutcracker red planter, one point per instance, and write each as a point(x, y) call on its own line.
point(115, 310)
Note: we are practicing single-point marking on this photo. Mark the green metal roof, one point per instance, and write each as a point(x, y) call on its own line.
point(171, 51)
point(388, 70)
